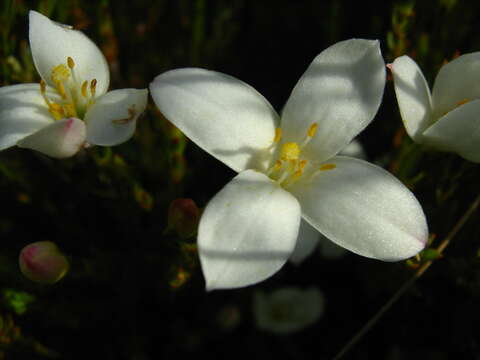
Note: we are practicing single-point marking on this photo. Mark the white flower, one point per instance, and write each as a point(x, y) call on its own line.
point(47, 117)
point(287, 310)
point(446, 119)
point(249, 229)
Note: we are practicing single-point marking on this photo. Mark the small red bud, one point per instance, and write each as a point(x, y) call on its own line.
point(43, 262)
point(183, 217)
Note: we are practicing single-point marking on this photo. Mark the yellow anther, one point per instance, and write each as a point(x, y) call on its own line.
point(297, 174)
point(462, 102)
point(56, 110)
point(290, 151)
point(301, 164)
point(278, 135)
point(312, 130)
point(278, 165)
point(60, 73)
point(70, 62)
point(43, 86)
point(327, 167)
point(93, 87)
point(69, 109)
point(84, 88)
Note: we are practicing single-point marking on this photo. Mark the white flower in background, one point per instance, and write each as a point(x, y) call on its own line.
point(47, 117)
point(288, 168)
point(446, 119)
point(287, 310)
point(309, 238)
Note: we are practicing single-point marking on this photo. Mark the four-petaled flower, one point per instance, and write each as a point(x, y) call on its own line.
point(288, 169)
point(447, 118)
point(75, 78)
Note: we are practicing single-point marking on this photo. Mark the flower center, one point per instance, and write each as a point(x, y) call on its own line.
point(75, 96)
point(289, 167)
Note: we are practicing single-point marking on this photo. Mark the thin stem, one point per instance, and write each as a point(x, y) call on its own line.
point(373, 320)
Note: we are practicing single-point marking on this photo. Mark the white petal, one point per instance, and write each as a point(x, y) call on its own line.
point(113, 117)
point(457, 81)
point(354, 149)
point(247, 231)
point(307, 242)
point(458, 131)
point(51, 43)
point(61, 139)
point(364, 209)
point(22, 112)
point(341, 92)
point(221, 114)
point(413, 96)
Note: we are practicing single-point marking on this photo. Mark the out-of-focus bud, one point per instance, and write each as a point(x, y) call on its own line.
point(287, 310)
point(183, 217)
point(43, 262)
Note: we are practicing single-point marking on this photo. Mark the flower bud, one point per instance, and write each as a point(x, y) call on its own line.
point(287, 310)
point(43, 262)
point(183, 217)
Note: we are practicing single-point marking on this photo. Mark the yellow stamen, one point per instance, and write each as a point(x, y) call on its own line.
point(70, 62)
point(327, 167)
point(302, 164)
point(43, 86)
point(290, 151)
point(60, 73)
point(70, 110)
point(84, 88)
point(93, 87)
point(462, 102)
point(278, 135)
point(312, 130)
point(297, 174)
point(56, 110)
point(278, 165)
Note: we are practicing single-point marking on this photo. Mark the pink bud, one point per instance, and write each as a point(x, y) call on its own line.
point(183, 216)
point(43, 262)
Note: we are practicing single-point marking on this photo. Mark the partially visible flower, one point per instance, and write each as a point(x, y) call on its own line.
point(447, 118)
point(288, 168)
point(43, 262)
point(71, 107)
point(288, 309)
point(183, 217)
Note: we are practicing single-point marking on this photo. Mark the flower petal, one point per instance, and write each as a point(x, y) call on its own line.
point(413, 96)
point(61, 139)
point(22, 112)
point(307, 242)
point(51, 43)
point(458, 131)
point(364, 209)
point(113, 117)
point(221, 114)
point(247, 231)
point(456, 82)
point(340, 92)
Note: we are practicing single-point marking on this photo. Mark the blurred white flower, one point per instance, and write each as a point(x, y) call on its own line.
point(447, 118)
point(47, 117)
point(288, 309)
point(289, 168)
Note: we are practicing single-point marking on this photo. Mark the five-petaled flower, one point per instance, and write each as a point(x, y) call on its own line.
point(447, 118)
point(288, 169)
point(47, 117)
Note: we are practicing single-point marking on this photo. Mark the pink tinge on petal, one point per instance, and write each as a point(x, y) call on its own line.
point(60, 139)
